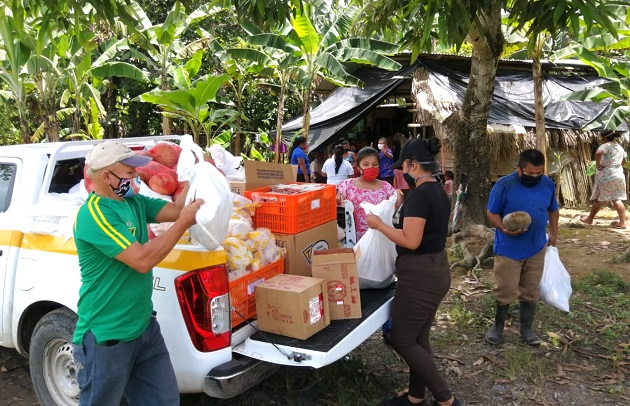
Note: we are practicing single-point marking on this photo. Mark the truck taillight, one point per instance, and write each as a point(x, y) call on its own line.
point(205, 304)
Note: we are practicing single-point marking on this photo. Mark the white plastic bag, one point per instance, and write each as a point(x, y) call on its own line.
point(214, 214)
point(231, 166)
point(378, 253)
point(191, 154)
point(555, 285)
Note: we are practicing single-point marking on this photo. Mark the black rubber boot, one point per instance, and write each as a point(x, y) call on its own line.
point(495, 333)
point(527, 311)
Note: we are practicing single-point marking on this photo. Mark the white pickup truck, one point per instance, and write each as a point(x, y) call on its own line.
point(40, 279)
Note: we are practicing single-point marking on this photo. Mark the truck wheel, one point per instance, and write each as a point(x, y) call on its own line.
point(51, 359)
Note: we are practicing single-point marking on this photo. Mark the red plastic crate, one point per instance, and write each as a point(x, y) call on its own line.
point(242, 295)
point(292, 214)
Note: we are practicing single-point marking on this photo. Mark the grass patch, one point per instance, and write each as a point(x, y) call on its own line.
point(520, 362)
point(621, 259)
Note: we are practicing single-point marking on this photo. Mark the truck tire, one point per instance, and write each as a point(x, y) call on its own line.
point(51, 359)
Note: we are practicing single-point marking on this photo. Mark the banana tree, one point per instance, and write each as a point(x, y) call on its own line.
point(616, 90)
point(83, 77)
point(608, 54)
point(284, 70)
point(189, 101)
point(243, 64)
point(163, 45)
point(320, 41)
point(15, 51)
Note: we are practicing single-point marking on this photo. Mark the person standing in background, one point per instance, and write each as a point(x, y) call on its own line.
point(610, 181)
point(448, 184)
point(299, 158)
point(337, 169)
point(385, 156)
point(316, 167)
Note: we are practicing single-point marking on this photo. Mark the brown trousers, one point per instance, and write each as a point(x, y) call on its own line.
point(518, 279)
point(423, 281)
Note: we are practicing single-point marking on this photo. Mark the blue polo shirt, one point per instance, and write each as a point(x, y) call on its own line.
point(299, 153)
point(509, 195)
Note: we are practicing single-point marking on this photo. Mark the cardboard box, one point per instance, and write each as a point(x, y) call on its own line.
point(339, 268)
point(259, 174)
point(293, 306)
point(300, 247)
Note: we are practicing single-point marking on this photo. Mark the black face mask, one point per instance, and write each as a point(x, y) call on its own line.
point(411, 181)
point(529, 180)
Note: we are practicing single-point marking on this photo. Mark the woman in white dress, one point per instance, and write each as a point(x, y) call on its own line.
point(610, 181)
point(337, 169)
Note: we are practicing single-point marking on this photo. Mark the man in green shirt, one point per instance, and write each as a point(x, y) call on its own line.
point(117, 342)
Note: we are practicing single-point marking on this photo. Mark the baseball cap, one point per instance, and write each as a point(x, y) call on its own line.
point(110, 152)
point(417, 149)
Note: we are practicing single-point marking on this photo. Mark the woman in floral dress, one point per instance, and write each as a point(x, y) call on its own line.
point(366, 188)
point(610, 182)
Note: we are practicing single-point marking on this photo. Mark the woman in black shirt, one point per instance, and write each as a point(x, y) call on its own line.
point(424, 277)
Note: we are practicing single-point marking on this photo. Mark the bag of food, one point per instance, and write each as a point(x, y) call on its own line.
point(378, 253)
point(555, 284)
point(207, 183)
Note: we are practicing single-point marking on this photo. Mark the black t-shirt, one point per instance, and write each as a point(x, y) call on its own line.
point(427, 201)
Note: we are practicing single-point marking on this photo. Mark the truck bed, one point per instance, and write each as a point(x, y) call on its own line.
point(325, 340)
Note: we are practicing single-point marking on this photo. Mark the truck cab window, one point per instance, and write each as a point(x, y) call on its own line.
point(7, 178)
point(67, 173)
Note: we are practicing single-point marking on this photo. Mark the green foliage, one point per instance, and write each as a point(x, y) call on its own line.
point(9, 134)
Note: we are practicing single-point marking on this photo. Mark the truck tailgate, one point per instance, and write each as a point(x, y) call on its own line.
point(330, 344)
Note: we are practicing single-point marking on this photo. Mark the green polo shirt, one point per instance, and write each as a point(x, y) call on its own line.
point(114, 299)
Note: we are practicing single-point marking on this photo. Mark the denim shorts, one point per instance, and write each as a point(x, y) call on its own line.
point(139, 371)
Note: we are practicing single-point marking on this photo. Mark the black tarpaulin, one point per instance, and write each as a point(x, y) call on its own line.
point(341, 109)
point(513, 98)
point(512, 103)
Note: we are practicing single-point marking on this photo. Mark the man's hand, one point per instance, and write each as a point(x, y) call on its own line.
point(373, 221)
point(189, 212)
point(552, 240)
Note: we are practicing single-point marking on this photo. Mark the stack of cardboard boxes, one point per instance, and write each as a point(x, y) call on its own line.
point(300, 306)
point(320, 282)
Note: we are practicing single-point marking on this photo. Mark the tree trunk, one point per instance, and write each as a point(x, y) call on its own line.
point(111, 94)
point(469, 130)
point(26, 136)
point(306, 123)
point(166, 122)
point(52, 125)
point(539, 108)
point(279, 122)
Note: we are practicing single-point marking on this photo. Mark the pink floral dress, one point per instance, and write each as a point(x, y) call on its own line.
point(610, 181)
point(348, 190)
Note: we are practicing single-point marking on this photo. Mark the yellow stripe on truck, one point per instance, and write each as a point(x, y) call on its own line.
point(177, 259)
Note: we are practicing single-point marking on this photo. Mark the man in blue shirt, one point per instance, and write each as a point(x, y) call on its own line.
point(520, 255)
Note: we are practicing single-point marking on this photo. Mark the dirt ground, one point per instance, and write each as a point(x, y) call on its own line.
point(565, 370)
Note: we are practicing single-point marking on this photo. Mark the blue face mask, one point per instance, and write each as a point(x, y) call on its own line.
point(127, 187)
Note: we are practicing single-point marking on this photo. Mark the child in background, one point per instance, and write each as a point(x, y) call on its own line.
point(448, 184)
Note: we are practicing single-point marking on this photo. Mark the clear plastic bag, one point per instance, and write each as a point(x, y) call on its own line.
point(555, 284)
point(378, 253)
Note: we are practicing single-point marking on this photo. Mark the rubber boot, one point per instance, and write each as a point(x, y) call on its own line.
point(527, 311)
point(495, 333)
